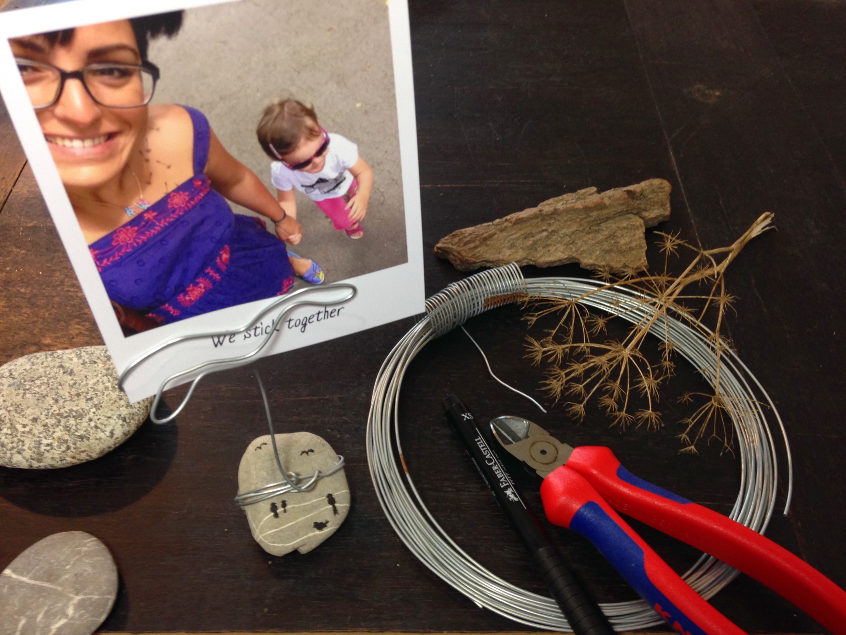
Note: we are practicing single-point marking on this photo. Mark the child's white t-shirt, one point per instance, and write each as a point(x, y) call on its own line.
point(331, 182)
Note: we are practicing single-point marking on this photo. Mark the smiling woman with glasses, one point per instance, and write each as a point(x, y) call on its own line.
point(149, 183)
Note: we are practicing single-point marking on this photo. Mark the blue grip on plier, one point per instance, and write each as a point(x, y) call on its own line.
point(624, 553)
point(569, 500)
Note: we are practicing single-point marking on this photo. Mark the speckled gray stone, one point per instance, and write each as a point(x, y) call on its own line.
point(64, 584)
point(61, 408)
point(294, 520)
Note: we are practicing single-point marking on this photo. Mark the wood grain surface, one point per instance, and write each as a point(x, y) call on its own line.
point(740, 104)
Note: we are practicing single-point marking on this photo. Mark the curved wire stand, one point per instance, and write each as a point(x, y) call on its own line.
point(422, 534)
point(286, 303)
point(291, 481)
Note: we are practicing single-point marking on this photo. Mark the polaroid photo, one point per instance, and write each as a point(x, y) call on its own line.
point(168, 149)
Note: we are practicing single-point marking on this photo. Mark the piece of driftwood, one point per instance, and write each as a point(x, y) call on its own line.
point(595, 229)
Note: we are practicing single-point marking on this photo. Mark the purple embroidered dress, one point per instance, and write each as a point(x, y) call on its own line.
point(189, 254)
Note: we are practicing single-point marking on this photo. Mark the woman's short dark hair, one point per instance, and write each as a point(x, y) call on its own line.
point(149, 27)
point(146, 28)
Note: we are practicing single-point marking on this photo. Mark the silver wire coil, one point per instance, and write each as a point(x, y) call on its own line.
point(427, 540)
point(472, 296)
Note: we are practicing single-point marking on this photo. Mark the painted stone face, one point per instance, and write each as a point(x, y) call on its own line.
point(293, 520)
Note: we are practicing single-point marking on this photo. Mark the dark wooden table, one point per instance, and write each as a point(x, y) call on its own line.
point(740, 104)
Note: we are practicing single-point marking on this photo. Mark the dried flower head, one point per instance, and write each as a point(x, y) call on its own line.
point(616, 374)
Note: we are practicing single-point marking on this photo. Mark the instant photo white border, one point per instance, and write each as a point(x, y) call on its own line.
point(382, 297)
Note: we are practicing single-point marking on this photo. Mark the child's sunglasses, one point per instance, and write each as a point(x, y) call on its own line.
point(320, 152)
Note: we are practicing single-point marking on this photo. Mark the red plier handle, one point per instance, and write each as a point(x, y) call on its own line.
point(583, 495)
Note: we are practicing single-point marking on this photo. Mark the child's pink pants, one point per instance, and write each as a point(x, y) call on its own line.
point(336, 208)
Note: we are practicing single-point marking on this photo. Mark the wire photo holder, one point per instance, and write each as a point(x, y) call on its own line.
point(384, 76)
point(279, 309)
point(426, 539)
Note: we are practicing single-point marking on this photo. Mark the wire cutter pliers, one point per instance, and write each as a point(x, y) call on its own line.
point(583, 486)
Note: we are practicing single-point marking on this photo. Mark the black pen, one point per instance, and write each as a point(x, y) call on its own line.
point(582, 613)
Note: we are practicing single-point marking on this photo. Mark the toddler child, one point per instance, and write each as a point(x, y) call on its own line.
point(324, 166)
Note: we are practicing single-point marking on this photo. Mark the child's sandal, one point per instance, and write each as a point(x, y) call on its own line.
point(314, 274)
point(355, 231)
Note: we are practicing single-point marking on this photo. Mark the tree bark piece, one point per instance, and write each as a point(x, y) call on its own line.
point(596, 229)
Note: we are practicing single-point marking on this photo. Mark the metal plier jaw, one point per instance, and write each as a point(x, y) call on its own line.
point(530, 443)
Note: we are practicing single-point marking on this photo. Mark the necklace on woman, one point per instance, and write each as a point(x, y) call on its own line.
point(141, 204)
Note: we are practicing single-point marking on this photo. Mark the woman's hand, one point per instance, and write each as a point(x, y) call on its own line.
point(240, 185)
point(289, 230)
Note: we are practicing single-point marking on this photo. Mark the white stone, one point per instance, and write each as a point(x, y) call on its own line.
point(61, 408)
point(64, 584)
point(293, 520)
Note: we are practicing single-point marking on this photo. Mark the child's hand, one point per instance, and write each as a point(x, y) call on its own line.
point(357, 207)
point(289, 230)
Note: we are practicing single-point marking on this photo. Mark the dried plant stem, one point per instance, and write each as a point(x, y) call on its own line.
point(584, 369)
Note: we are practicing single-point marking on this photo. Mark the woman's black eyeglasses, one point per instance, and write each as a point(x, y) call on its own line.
point(110, 84)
